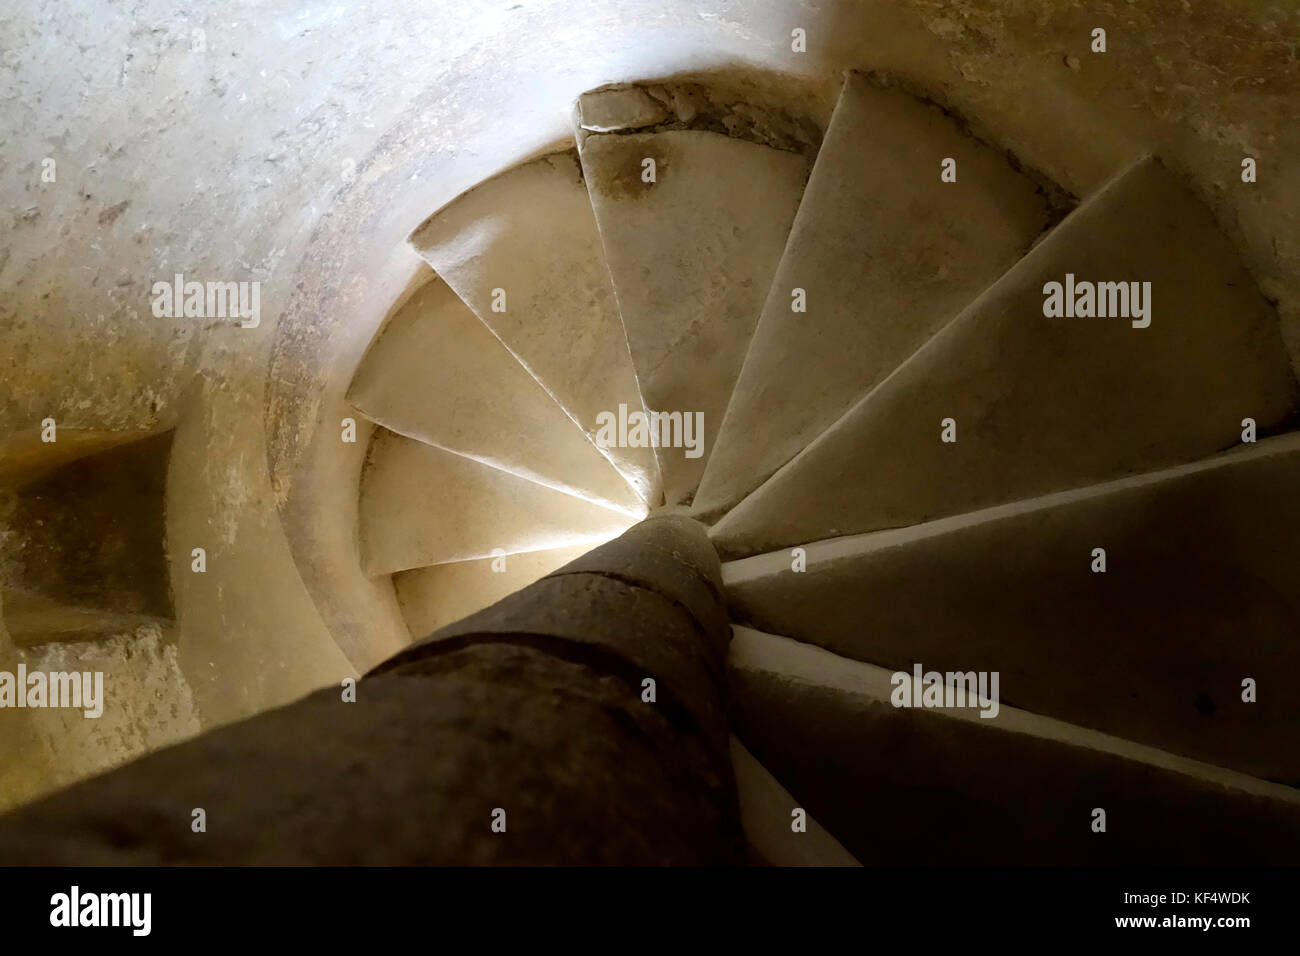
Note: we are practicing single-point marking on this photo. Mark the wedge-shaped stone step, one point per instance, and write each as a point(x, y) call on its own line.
point(1200, 593)
point(522, 249)
point(767, 812)
point(1038, 404)
point(692, 255)
point(431, 598)
point(438, 374)
point(421, 505)
point(882, 253)
point(945, 786)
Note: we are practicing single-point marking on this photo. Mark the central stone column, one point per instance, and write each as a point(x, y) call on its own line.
point(582, 720)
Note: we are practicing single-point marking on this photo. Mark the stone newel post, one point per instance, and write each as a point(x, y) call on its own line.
point(582, 720)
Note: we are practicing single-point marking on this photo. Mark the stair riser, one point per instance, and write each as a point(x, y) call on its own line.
point(1199, 593)
point(1036, 405)
point(923, 787)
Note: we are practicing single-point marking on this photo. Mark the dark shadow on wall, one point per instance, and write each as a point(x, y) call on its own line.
point(82, 550)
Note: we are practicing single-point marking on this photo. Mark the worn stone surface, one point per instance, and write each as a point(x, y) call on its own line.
point(411, 774)
point(1046, 404)
point(724, 108)
point(533, 707)
point(631, 631)
point(421, 505)
point(439, 375)
point(930, 787)
point(25, 457)
point(147, 704)
point(89, 537)
point(648, 603)
point(250, 636)
point(885, 254)
point(603, 111)
point(531, 233)
point(669, 554)
point(433, 597)
point(766, 810)
point(1200, 592)
point(691, 255)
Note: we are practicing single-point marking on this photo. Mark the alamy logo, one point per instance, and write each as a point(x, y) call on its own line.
point(74, 908)
point(211, 300)
point(638, 429)
point(948, 689)
point(78, 690)
point(1126, 300)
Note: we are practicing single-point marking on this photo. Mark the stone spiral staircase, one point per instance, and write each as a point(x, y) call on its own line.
point(829, 304)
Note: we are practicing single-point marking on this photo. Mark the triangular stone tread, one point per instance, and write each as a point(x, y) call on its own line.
point(1045, 404)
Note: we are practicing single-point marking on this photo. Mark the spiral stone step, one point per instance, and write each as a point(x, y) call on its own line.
point(421, 506)
point(434, 597)
point(530, 234)
point(1200, 591)
point(939, 786)
point(769, 814)
point(438, 374)
point(883, 253)
point(691, 253)
point(1038, 404)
